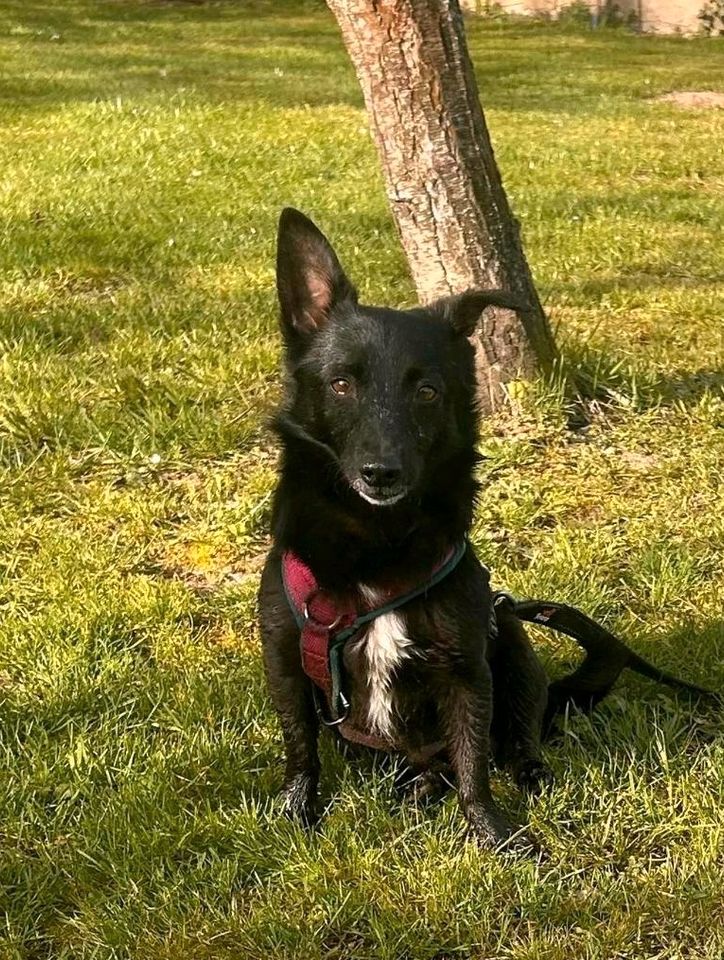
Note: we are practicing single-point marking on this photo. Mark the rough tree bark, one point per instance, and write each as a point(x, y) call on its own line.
point(442, 180)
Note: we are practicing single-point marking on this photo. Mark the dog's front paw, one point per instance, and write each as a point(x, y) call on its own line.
point(492, 831)
point(299, 798)
point(489, 829)
point(534, 777)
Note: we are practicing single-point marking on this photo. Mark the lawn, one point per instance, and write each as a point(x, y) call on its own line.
point(145, 152)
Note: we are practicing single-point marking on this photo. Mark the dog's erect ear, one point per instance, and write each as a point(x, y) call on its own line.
point(463, 310)
point(310, 280)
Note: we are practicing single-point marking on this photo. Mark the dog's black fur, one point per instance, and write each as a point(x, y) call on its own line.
point(377, 483)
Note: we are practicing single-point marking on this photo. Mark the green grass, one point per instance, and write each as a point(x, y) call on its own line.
point(145, 152)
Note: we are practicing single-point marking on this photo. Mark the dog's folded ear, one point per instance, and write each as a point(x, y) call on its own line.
point(463, 310)
point(310, 280)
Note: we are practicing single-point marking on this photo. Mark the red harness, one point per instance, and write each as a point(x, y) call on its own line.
point(327, 622)
point(319, 616)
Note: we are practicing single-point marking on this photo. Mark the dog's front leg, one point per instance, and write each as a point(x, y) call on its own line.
point(292, 697)
point(291, 694)
point(466, 711)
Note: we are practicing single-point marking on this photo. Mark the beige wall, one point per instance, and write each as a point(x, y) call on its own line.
point(671, 16)
point(656, 16)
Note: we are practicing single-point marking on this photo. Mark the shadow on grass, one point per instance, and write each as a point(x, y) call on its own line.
point(682, 266)
point(644, 277)
point(693, 386)
point(604, 376)
point(290, 53)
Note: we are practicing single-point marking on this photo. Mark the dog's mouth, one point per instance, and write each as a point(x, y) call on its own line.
point(379, 496)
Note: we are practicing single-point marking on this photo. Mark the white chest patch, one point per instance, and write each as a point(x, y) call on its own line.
point(385, 645)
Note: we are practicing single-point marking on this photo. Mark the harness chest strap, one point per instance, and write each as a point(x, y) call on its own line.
point(327, 622)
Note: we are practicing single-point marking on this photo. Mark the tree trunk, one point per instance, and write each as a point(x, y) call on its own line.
point(442, 181)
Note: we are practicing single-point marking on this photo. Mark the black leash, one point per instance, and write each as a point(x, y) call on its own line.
point(611, 653)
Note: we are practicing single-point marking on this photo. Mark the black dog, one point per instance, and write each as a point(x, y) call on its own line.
point(375, 499)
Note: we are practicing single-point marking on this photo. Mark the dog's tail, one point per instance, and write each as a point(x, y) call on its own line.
point(606, 658)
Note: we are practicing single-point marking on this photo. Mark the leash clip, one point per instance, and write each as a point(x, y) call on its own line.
point(344, 704)
point(501, 596)
point(342, 701)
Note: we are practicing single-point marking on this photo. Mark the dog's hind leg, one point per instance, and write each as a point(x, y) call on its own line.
point(520, 694)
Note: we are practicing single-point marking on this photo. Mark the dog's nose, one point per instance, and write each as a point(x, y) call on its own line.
point(380, 475)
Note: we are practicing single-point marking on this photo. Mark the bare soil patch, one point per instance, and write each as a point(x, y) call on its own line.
point(693, 99)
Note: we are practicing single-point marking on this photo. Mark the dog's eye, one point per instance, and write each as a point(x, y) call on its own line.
point(426, 393)
point(341, 386)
